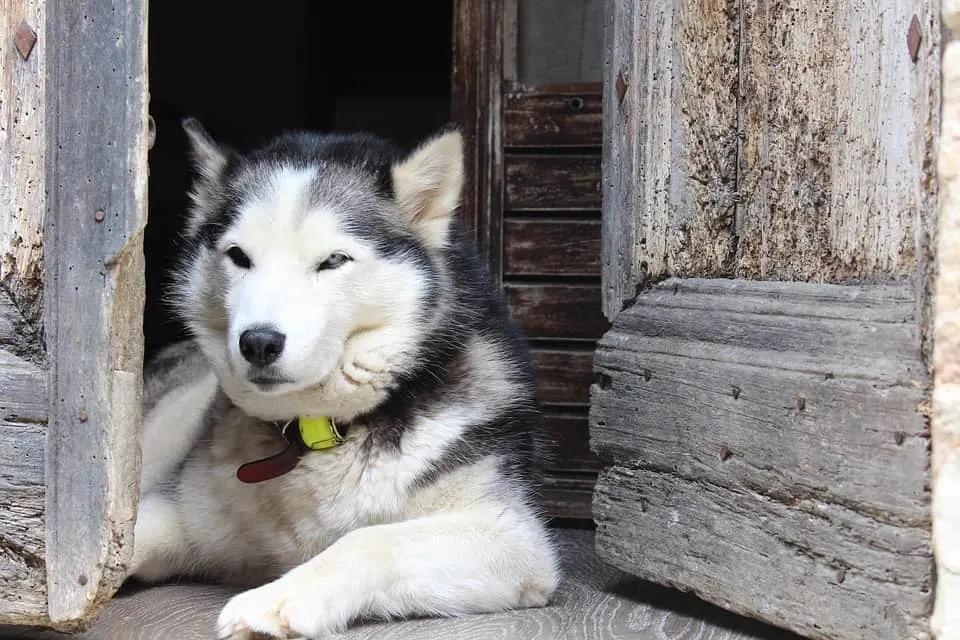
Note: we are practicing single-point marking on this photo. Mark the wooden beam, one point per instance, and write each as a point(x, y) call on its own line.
point(477, 105)
point(769, 452)
point(96, 168)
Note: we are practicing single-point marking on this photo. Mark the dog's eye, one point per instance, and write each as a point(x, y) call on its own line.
point(238, 257)
point(335, 261)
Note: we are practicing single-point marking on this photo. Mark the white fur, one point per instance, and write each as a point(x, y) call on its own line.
point(349, 532)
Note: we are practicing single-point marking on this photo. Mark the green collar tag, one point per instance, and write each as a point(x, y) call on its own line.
point(319, 433)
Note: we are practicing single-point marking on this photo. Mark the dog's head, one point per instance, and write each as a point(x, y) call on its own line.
point(299, 247)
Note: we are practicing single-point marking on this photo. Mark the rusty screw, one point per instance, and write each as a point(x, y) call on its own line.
point(99, 215)
point(914, 38)
point(725, 454)
point(24, 39)
point(83, 415)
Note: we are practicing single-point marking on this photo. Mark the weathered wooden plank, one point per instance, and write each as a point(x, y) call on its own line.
point(563, 376)
point(23, 378)
point(838, 138)
point(96, 170)
point(567, 495)
point(570, 435)
point(23, 592)
point(557, 310)
point(757, 556)
point(561, 116)
point(477, 103)
point(670, 143)
point(558, 182)
point(945, 327)
point(753, 426)
point(21, 156)
point(23, 414)
point(534, 247)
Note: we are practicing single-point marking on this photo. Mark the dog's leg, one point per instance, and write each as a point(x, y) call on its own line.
point(159, 550)
point(474, 561)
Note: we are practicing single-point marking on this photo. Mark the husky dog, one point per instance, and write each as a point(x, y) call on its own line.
point(329, 283)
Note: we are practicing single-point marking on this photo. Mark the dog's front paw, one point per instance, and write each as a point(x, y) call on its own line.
point(286, 608)
point(253, 612)
point(368, 358)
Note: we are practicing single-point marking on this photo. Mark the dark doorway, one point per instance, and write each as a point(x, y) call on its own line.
point(249, 70)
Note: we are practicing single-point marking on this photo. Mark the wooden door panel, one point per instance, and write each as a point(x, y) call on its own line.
point(551, 247)
point(532, 198)
point(557, 311)
point(562, 116)
point(563, 376)
point(768, 440)
point(552, 182)
point(571, 435)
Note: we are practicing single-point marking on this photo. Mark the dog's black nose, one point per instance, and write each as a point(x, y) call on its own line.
point(261, 346)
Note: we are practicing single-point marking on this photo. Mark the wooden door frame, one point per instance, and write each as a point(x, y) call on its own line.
point(477, 105)
point(96, 172)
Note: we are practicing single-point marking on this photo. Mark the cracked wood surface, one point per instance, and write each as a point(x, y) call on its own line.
point(769, 452)
point(23, 376)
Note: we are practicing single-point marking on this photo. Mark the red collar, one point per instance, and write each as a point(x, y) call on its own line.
point(279, 463)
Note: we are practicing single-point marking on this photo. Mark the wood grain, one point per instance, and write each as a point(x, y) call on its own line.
point(594, 602)
point(23, 414)
point(557, 311)
point(476, 102)
point(22, 95)
point(534, 247)
point(23, 375)
point(831, 189)
point(563, 376)
point(670, 143)
point(570, 435)
point(559, 116)
point(753, 426)
point(96, 160)
point(552, 182)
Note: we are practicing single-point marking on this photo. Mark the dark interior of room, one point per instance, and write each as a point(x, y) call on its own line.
point(249, 70)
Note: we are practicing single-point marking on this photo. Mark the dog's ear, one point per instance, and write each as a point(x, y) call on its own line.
point(210, 160)
point(428, 184)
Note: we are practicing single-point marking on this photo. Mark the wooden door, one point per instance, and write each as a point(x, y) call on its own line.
point(527, 91)
point(769, 202)
point(73, 150)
